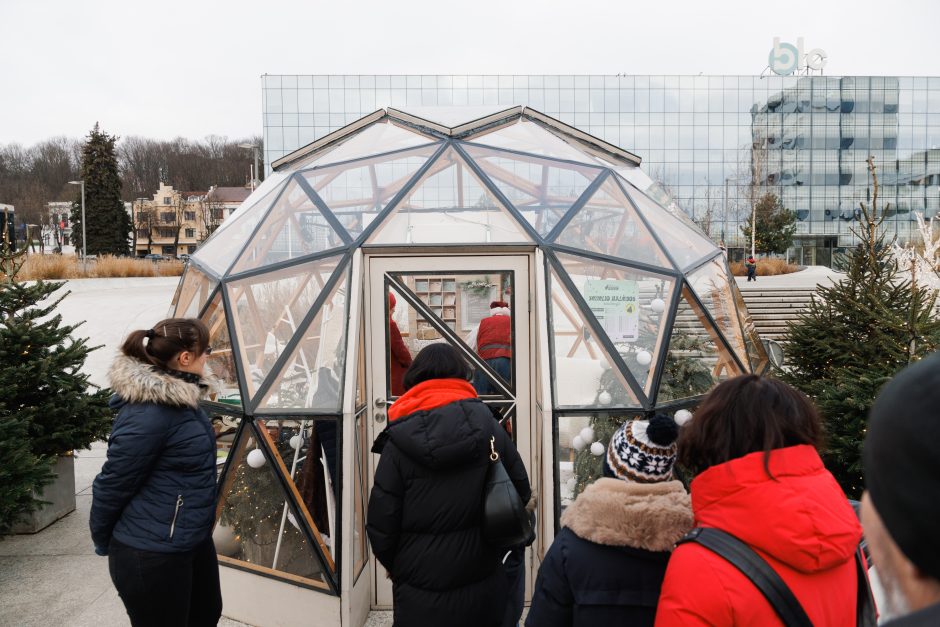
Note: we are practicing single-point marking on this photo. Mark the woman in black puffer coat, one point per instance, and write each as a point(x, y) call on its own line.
point(154, 501)
point(425, 510)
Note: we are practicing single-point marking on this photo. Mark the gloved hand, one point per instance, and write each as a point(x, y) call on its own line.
point(101, 550)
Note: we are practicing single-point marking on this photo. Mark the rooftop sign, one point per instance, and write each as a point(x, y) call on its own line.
point(786, 59)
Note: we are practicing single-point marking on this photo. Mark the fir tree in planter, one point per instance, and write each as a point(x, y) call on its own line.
point(855, 336)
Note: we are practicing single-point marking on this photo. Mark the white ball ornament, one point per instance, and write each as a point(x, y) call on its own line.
point(644, 358)
point(256, 458)
point(604, 398)
point(658, 305)
point(682, 416)
point(571, 484)
point(295, 442)
point(597, 449)
point(587, 434)
point(577, 443)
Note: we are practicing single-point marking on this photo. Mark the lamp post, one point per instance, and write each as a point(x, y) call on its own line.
point(84, 239)
point(254, 150)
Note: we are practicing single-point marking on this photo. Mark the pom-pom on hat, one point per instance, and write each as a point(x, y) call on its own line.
point(643, 451)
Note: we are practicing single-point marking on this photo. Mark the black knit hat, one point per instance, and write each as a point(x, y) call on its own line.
point(902, 461)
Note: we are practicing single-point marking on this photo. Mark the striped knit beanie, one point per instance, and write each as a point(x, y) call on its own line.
point(643, 451)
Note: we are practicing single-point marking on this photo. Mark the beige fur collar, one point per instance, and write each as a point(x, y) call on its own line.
point(137, 382)
point(649, 516)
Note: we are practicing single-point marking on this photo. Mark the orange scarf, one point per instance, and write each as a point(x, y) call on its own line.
point(430, 394)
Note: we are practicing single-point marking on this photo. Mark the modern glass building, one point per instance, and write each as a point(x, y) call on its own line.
point(714, 142)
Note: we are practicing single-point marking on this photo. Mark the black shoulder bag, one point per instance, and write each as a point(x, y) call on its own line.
point(781, 598)
point(505, 522)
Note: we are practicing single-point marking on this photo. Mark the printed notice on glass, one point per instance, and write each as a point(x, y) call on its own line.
point(616, 306)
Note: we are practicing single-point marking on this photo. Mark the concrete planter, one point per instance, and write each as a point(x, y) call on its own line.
point(60, 495)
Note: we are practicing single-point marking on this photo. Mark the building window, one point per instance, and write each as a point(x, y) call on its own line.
point(169, 250)
point(190, 233)
point(216, 213)
point(191, 248)
point(168, 216)
point(165, 232)
point(190, 216)
point(166, 200)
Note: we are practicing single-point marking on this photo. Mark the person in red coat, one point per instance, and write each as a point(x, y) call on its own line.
point(493, 342)
point(752, 444)
point(399, 355)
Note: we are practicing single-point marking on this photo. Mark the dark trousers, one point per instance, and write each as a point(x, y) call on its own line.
point(515, 574)
point(502, 366)
point(161, 589)
point(752, 274)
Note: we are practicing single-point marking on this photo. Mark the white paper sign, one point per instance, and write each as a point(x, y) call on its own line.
point(616, 306)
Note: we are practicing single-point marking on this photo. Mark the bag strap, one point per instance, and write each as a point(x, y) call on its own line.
point(755, 568)
point(865, 615)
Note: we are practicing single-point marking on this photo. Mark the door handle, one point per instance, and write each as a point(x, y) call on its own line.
point(380, 403)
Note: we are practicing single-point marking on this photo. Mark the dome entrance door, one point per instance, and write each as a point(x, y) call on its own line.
point(480, 305)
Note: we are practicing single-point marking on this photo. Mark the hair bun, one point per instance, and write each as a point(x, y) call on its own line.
point(662, 430)
point(150, 334)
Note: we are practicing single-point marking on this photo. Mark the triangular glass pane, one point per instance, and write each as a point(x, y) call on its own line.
point(258, 524)
point(360, 538)
point(267, 310)
point(191, 295)
point(449, 205)
point(374, 139)
point(713, 287)
point(755, 347)
point(221, 363)
point(309, 451)
point(608, 224)
point(220, 250)
point(529, 137)
point(685, 245)
point(630, 305)
point(293, 228)
point(542, 190)
point(585, 376)
point(697, 359)
point(313, 375)
point(356, 192)
point(640, 180)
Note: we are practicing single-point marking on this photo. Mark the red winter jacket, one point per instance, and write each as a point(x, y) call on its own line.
point(399, 359)
point(494, 339)
point(800, 523)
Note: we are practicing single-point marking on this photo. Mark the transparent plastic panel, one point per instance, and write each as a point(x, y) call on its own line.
point(685, 245)
point(293, 228)
point(309, 452)
point(608, 224)
point(584, 375)
point(542, 190)
point(220, 250)
point(257, 524)
point(195, 288)
point(313, 376)
point(360, 498)
point(268, 309)
point(630, 305)
point(221, 363)
point(697, 359)
point(529, 137)
point(356, 192)
point(449, 205)
point(377, 138)
point(712, 284)
point(759, 360)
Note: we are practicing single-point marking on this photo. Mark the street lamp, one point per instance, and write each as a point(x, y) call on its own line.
point(254, 150)
point(84, 239)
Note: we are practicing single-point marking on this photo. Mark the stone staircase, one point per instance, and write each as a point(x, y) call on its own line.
point(772, 309)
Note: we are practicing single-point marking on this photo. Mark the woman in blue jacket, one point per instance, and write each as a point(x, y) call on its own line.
point(154, 500)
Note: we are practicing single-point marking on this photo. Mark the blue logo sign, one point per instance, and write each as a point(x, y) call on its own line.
point(785, 58)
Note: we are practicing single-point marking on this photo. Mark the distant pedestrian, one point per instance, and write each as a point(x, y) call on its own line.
point(153, 503)
point(751, 265)
point(758, 477)
point(900, 509)
point(607, 563)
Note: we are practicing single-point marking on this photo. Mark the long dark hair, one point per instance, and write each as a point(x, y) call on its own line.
point(167, 338)
point(436, 361)
point(745, 415)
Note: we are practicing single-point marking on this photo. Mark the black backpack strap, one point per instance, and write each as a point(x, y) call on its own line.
point(742, 557)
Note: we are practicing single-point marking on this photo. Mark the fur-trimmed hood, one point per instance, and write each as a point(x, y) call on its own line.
point(613, 512)
point(136, 382)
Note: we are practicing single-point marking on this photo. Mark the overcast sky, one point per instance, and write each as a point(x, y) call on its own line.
point(192, 67)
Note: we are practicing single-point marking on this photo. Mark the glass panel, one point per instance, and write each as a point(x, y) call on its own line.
point(697, 359)
point(220, 250)
point(193, 293)
point(312, 378)
point(360, 539)
point(293, 228)
point(449, 205)
point(357, 192)
point(712, 285)
point(454, 116)
point(361, 361)
point(630, 306)
point(257, 521)
point(221, 363)
point(531, 138)
point(379, 137)
point(684, 244)
point(608, 224)
point(542, 190)
point(268, 309)
point(225, 427)
point(755, 348)
point(584, 373)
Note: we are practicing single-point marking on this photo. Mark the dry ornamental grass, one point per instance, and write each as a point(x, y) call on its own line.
point(765, 267)
point(104, 267)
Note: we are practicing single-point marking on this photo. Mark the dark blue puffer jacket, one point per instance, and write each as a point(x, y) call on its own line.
point(157, 489)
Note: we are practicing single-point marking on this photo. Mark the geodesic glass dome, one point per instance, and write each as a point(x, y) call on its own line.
point(638, 306)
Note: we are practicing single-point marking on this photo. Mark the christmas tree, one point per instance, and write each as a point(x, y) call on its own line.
point(108, 224)
point(855, 336)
